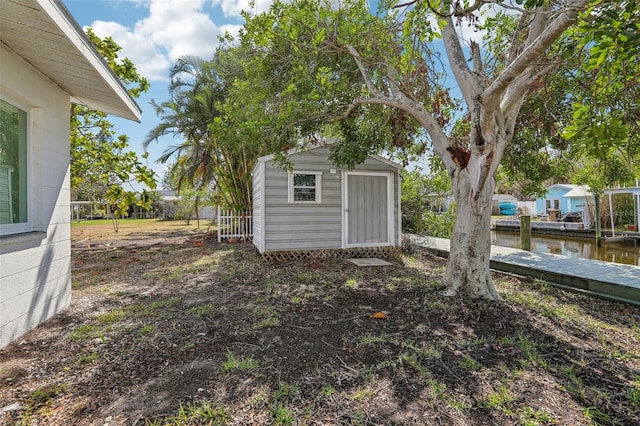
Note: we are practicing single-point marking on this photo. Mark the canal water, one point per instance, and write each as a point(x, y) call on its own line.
point(570, 247)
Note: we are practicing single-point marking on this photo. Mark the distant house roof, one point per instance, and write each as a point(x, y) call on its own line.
point(580, 191)
point(567, 186)
point(165, 192)
point(167, 195)
point(503, 197)
point(44, 34)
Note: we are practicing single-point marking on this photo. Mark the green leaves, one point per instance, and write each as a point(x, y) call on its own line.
point(217, 110)
point(530, 4)
point(124, 69)
point(604, 128)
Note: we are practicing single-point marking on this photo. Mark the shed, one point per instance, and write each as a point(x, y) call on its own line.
point(317, 206)
point(47, 63)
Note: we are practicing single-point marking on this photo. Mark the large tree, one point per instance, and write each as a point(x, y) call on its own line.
point(392, 79)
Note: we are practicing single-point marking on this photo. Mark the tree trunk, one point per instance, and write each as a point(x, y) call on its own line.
point(468, 272)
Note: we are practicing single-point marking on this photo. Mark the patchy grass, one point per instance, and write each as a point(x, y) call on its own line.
point(163, 331)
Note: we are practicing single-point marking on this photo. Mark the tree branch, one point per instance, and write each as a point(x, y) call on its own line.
point(363, 72)
point(467, 81)
point(521, 84)
point(555, 29)
point(515, 43)
point(439, 139)
point(401, 101)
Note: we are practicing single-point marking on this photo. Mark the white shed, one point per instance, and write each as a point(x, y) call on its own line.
point(47, 63)
point(318, 206)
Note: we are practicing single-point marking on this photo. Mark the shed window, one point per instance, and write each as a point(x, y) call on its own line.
point(305, 187)
point(13, 168)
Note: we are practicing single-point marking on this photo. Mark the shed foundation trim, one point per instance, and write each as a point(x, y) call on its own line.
point(387, 252)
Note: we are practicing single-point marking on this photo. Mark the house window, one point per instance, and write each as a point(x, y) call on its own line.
point(552, 204)
point(13, 168)
point(305, 187)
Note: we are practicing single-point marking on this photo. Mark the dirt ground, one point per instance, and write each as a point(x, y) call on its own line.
point(167, 326)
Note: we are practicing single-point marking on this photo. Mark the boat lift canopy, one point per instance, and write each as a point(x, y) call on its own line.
point(635, 191)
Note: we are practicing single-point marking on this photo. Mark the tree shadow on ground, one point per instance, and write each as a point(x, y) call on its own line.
point(213, 324)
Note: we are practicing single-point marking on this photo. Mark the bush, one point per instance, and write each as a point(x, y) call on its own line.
point(439, 225)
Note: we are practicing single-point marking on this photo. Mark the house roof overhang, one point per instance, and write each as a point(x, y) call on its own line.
point(45, 35)
point(579, 192)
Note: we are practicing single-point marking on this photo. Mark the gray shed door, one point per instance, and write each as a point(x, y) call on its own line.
point(367, 210)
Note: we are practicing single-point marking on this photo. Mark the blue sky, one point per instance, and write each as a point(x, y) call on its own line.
point(153, 34)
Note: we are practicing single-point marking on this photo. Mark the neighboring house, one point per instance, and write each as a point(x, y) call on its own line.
point(169, 201)
point(576, 200)
point(563, 198)
point(47, 63)
point(317, 206)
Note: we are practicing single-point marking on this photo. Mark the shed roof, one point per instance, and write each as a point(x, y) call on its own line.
point(325, 144)
point(44, 34)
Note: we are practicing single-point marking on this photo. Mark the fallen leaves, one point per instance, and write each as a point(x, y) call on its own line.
point(378, 315)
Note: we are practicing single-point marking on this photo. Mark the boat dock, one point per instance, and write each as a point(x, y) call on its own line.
point(624, 238)
point(604, 279)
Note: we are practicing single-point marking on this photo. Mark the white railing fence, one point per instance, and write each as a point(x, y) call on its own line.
point(234, 225)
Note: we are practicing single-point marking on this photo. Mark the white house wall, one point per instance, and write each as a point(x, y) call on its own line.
point(305, 226)
point(35, 269)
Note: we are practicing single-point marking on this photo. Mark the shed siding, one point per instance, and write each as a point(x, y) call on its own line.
point(303, 226)
point(35, 275)
point(258, 205)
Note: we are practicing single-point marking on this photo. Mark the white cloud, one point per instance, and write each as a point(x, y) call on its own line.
point(147, 57)
point(232, 8)
point(172, 29)
point(469, 32)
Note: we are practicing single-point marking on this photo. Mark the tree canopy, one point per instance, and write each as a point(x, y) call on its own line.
point(605, 123)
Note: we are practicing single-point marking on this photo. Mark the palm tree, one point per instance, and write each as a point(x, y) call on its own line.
point(208, 153)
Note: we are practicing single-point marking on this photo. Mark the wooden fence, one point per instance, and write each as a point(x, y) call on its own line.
point(234, 225)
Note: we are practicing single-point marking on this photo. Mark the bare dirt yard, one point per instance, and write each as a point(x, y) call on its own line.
point(169, 327)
